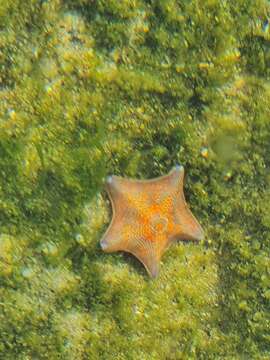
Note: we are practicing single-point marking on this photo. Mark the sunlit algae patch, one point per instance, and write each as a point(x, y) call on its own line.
point(131, 88)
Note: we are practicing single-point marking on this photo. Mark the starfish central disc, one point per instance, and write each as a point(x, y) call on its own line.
point(159, 224)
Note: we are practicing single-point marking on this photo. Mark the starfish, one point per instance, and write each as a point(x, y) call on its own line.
point(148, 215)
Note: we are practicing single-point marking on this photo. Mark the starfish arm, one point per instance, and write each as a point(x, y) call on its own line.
point(146, 253)
point(186, 225)
point(163, 189)
point(123, 214)
point(115, 191)
point(177, 176)
point(111, 240)
point(124, 230)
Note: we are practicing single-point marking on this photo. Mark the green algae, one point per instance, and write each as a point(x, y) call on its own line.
point(91, 88)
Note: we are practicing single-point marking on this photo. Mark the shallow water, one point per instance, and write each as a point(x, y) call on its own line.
point(132, 88)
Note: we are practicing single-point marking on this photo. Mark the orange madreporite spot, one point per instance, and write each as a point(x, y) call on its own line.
point(159, 224)
point(147, 216)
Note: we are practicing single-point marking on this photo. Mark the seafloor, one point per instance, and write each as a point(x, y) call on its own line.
point(96, 87)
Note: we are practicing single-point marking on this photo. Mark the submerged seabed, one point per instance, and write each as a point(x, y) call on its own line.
point(91, 88)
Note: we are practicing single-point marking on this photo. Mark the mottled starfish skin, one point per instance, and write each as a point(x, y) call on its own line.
point(148, 215)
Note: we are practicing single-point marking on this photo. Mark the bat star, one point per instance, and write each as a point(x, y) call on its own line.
point(148, 215)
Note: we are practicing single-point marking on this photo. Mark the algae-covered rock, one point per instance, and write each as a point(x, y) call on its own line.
point(92, 88)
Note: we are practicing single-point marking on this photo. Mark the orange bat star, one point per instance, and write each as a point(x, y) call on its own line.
point(148, 215)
